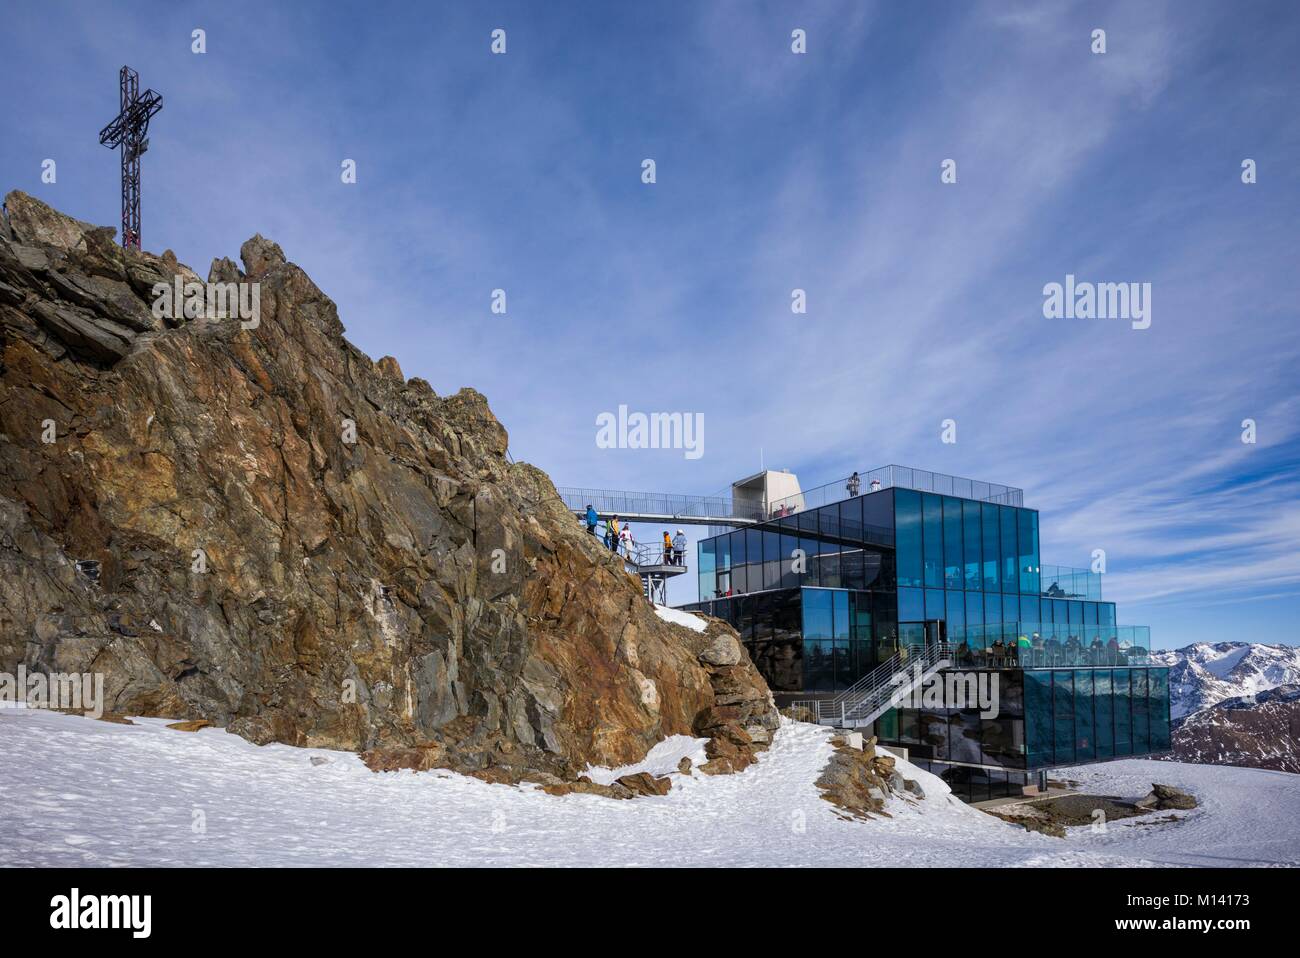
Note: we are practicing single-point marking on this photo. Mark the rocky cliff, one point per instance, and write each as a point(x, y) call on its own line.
point(263, 528)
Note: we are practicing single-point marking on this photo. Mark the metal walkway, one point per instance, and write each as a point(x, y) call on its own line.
point(660, 507)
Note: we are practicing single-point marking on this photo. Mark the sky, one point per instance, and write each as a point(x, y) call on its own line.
point(774, 171)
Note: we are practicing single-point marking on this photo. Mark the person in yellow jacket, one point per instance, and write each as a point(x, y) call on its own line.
point(611, 534)
point(668, 548)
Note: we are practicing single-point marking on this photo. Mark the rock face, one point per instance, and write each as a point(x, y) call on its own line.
point(296, 544)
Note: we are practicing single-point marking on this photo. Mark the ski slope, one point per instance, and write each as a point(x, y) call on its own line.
point(81, 792)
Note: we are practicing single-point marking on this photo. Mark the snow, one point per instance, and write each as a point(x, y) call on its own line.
point(81, 792)
point(678, 617)
point(663, 759)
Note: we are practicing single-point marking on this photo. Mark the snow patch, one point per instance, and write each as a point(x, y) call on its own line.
point(663, 759)
point(678, 617)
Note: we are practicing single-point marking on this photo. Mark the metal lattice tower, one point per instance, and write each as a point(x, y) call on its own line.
point(129, 132)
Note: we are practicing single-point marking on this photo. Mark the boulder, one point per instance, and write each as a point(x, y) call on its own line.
point(1167, 797)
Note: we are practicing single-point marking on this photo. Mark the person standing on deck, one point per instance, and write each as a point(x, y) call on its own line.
point(679, 548)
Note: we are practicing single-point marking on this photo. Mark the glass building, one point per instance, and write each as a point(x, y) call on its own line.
point(822, 595)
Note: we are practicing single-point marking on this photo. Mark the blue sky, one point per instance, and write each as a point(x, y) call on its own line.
point(775, 171)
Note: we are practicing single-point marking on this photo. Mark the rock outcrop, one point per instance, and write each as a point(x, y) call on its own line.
point(286, 539)
point(860, 781)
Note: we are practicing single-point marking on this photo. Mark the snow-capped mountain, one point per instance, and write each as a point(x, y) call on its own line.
point(1205, 674)
point(1257, 731)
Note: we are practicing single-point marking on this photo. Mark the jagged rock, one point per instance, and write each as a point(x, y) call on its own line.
point(260, 256)
point(643, 783)
point(350, 596)
point(684, 766)
point(33, 222)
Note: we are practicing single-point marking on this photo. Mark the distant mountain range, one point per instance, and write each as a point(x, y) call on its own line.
point(1235, 703)
point(1205, 674)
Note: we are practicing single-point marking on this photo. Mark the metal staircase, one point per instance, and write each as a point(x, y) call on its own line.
point(873, 694)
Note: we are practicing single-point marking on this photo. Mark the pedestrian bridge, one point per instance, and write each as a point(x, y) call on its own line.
point(661, 507)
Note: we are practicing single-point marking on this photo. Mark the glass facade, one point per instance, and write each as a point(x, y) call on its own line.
point(811, 639)
point(822, 596)
point(1044, 718)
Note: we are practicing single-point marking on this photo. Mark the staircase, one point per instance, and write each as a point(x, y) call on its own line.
point(873, 694)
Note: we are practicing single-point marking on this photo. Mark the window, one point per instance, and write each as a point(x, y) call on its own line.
point(1038, 717)
point(817, 615)
point(851, 520)
point(990, 553)
point(934, 605)
point(1105, 713)
point(878, 516)
point(975, 614)
point(1027, 528)
point(1085, 744)
point(707, 561)
point(1063, 716)
point(910, 605)
point(953, 558)
point(972, 538)
point(812, 561)
point(908, 518)
point(789, 578)
point(1123, 704)
point(771, 560)
point(828, 521)
point(1141, 712)
point(932, 514)
point(956, 613)
point(1158, 697)
point(1010, 557)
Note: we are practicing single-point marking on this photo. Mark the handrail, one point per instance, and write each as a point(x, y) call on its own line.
point(862, 701)
point(903, 477)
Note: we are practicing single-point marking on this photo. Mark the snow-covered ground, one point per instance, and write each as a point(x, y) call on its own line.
point(75, 791)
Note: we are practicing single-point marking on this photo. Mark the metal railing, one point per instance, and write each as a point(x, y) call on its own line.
point(873, 694)
point(903, 477)
point(678, 507)
point(652, 554)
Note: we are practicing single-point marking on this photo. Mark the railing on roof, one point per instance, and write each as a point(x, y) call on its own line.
point(902, 477)
point(659, 504)
point(1046, 645)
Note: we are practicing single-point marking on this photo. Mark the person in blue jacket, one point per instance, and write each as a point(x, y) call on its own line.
point(592, 519)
